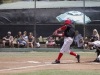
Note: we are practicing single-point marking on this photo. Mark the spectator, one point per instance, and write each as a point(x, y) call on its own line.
point(37, 43)
point(7, 40)
point(20, 40)
point(77, 38)
point(25, 37)
point(81, 43)
point(86, 39)
point(50, 42)
point(30, 42)
point(95, 36)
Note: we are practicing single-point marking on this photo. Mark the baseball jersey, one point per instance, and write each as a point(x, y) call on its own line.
point(69, 31)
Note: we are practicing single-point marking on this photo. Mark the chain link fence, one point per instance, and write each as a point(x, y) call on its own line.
point(42, 19)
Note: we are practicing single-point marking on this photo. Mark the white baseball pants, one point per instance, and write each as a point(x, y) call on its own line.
point(66, 46)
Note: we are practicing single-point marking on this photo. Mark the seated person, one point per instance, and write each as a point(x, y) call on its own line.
point(86, 39)
point(95, 36)
point(92, 39)
point(8, 39)
point(81, 43)
point(25, 37)
point(37, 43)
point(21, 41)
point(77, 38)
point(30, 42)
point(50, 42)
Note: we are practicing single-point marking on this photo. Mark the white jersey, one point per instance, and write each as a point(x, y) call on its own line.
point(96, 43)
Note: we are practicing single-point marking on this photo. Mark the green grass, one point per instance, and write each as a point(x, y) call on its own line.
point(42, 54)
point(47, 54)
point(28, 54)
point(60, 72)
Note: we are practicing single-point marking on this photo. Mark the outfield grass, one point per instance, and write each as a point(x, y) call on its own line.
point(60, 72)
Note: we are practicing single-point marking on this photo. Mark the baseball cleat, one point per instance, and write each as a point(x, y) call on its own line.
point(56, 62)
point(78, 58)
point(96, 60)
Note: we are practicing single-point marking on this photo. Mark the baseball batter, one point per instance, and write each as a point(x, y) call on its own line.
point(68, 34)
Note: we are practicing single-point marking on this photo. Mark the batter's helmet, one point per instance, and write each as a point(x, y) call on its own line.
point(68, 22)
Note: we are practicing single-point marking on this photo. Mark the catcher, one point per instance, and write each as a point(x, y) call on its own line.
point(68, 34)
point(95, 45)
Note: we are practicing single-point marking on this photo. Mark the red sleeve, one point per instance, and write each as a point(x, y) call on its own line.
point(63, 27)
point(62, 34)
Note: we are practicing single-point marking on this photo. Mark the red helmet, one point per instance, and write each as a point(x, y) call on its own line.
point(68, 22)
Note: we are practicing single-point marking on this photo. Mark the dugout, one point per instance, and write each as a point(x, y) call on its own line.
point(16, 17)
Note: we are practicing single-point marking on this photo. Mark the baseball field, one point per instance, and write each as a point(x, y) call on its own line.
point(39, 63)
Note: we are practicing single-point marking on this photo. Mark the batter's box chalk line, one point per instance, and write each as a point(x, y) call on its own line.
point(26, 67)
point(67, 61)
point(35, 62)
point(98, 63)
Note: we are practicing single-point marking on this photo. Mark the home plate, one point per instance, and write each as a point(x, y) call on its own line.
point(94, 63)
point(35, 62)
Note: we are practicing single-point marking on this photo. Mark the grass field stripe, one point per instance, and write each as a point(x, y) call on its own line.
point(19, 68)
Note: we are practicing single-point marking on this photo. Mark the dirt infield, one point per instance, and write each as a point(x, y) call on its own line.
point(13, 62)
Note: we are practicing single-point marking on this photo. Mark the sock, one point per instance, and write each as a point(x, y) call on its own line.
point(59, 56)
point(72, 53)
